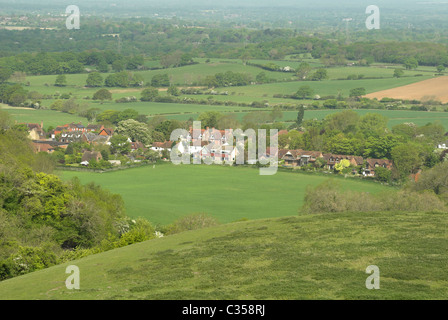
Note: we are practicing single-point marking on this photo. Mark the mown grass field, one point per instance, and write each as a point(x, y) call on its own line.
point(166, 192)
point(321, 256)
point(49, 117)
point(185, 112)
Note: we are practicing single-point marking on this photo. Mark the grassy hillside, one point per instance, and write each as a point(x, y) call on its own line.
point(167, 192)
point(303, 257)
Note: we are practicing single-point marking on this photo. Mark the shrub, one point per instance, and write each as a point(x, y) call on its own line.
point(329, 197)
point(191, 222)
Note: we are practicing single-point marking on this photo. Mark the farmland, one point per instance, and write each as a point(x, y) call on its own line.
point(86, 180)
point(377, 78)
point(166, 192)
point(431, 88)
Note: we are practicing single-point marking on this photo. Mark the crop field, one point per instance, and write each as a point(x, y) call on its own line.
point(432, 88)
point(166, 192)
point(385, 85)
point(325, 88)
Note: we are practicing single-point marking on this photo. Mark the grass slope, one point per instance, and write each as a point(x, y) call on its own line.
point(167, 192)
point(303, 257)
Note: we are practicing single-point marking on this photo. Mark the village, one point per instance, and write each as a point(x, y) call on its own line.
point(209, 145)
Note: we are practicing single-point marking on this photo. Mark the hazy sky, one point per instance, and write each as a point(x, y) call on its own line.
point(225, 3)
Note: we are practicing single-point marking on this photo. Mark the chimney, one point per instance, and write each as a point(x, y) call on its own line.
point(42, 124)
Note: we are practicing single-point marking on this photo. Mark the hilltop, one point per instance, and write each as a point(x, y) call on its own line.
point(321, 256)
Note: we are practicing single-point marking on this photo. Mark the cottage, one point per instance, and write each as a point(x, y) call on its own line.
point(88, 156)
point(160, 146)
point(96, 139)
point(94, 128)
point(333, 159)
point(106, 132)
point(138, 145)
point(43, 147)
point(372, 164)
point(35, 131)
point(298, 158)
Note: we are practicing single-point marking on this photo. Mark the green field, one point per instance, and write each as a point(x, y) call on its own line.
point(321, 256)
point(193, 74)
point(49, 117)
point(185, 112)
point(395, 117)
point(166, 192)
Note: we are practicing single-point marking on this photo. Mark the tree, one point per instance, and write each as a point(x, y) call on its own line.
point(303, 70)
point(304, 92)
point(300, 116)
point(276, 113)
point(149, 94)
point(5, 73)
point(172, 59)
point(357, 92)
point(295, 139)
point(319, 74)
point(119, 144)
point(373, 124)
point(110, 116)
point(330, 104)
point(228, 121)
point(209, 119)
point(340, 144)
point(398, 73)
point(410, 63)
point(5, 121)
point(262, 77)
point(407, 158)
point(128, 114)
point(134, 130)
point(94, 79)
point(102, 94)
point(440, 68)
point(345, 121)
point(380, 147)
point(118, 65)
point(160, 80)
point(343, 164)
point(173, 91)
point(74, 66)
point(61, 81)
point(120, 79)
point(91, 113)
point(103, 66)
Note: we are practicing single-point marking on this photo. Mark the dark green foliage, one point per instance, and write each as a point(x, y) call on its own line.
point(94, 79)
point(300, 116)
point(61, 81)
point(149, 94)
point(102, 94)
point(160, 80)
point(40, 215)
point(329, 197)
point(227, 79)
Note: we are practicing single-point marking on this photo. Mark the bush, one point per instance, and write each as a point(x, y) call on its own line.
point(191, 222)
point(329, 197)
point(29, 259)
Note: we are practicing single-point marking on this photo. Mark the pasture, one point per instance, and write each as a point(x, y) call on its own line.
point(166, 192)
point(319, 256)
